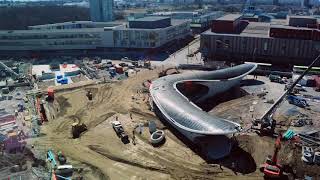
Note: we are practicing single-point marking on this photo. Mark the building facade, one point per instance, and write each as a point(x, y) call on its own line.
point(151, 38)
point(22, 40)
point(73, 25)
point(90, 36)
point(101, 10)
point(200, 20)
point(262, 42)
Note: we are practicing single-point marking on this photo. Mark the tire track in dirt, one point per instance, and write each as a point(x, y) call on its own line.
point(97, 172)
point(108, 155)
point(96, 121)
point(181, 169)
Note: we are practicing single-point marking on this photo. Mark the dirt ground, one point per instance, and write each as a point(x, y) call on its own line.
point(103, 155)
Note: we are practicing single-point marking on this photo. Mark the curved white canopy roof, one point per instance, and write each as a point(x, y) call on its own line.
point(185, 114)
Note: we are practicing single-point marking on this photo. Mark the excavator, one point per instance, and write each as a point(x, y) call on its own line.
point(89, 95)
point(271, 168)
point(78, 128)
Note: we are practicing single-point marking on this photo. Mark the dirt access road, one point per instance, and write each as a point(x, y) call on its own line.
point(102, 154)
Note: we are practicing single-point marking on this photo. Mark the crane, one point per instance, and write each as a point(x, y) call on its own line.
point(267, 123)
point(19, 77)
point(9, 69)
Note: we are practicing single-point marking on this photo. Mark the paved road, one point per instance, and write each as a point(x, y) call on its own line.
point(180, 57)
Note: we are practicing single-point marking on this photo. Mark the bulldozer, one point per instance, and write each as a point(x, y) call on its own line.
point(77, 129)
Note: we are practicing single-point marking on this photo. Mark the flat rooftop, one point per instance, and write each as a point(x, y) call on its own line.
point(106, 24)
point(46, 31)
point(230, 17)
point(302, 17)
point(257, 29)
point(151, 18)
point(174, 22)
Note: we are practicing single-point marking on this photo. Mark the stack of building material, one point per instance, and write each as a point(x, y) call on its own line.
point(119, 69)
point(13, 143)
point(7, 123)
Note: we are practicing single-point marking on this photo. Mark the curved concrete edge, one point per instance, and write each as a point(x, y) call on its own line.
point(185, 115)
point(159, 139)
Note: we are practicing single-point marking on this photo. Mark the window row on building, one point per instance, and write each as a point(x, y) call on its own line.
point(112, 37)
point(14, 36)
point(243, 48)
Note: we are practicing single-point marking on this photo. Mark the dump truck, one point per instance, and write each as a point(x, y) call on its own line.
point(77, 129)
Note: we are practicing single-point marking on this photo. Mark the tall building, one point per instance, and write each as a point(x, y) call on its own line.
point(101, 10)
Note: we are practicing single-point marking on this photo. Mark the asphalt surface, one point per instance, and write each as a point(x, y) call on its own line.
point(180, 56)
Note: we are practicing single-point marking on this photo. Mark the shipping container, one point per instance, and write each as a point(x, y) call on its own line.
point(305, 34)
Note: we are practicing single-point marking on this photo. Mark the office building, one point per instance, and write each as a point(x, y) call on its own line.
point(295, 41)
point(141, 33)
point(101, 10)
point(93, 36)
point(200, 20)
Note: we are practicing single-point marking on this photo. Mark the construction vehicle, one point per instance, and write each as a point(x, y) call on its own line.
point(51, 159)
point(271, 168)
point(267, 123)
point(59, 172)
point(147, 64)
point(77, 129)
point(276, 78)
point(15, 75)
point(118, 128)
point(89, 95)
point(64, 172)
point(62, 158)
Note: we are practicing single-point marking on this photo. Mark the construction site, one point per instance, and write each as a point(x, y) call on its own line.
point(120, 119)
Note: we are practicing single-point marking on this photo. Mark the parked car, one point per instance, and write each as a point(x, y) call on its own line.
point(275, 78)
point(123, 64)
point(124, 59)
point(298, 101)
point(300, 88)
point(297, 88)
